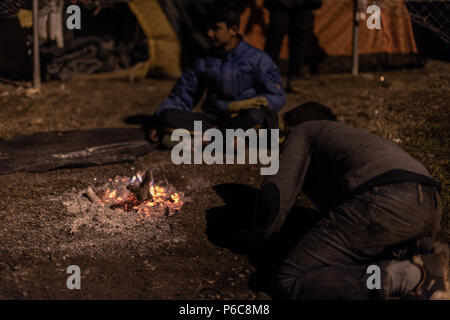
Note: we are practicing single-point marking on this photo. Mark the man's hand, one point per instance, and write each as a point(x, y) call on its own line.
point(253, 103)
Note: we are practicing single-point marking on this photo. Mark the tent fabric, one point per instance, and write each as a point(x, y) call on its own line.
point(333, 29)
point(392, 45)
point(164, 45)
point(330, 41)
point(331, 35)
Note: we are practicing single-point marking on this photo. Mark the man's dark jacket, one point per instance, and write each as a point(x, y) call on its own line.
point(332, 162)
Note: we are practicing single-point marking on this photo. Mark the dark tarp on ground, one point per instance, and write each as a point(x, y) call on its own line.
point(51, 150)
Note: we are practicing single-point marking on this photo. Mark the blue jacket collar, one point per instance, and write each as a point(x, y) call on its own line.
point(236, 51)
point(239, 49)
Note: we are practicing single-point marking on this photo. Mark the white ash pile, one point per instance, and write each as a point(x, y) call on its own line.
point(124, 203)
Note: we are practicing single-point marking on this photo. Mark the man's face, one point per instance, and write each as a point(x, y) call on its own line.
point(220, 36)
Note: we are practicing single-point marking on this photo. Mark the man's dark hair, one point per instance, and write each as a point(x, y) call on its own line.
point(229, 14)
point(309, 111)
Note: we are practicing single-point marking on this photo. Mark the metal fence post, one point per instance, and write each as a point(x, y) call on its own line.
point(36, 58)
point(355, 40)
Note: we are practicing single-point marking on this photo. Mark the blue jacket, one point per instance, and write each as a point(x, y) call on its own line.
point(245, 72)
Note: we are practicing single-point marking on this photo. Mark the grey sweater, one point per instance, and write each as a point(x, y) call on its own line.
point(331, 161)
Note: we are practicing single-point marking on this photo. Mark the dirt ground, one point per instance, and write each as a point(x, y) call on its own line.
point(187, 255)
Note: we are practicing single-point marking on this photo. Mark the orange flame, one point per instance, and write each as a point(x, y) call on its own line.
point(164, 200)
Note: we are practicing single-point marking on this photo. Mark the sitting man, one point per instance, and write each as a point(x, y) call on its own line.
point(244, 86)
point(380, 205)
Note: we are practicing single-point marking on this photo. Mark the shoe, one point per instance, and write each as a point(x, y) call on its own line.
point(434, 284)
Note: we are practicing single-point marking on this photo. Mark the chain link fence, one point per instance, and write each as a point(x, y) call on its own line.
point(10, 8)
point(433, 15)
point(430, 14)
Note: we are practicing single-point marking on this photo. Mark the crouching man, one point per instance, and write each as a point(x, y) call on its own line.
point(244, 86)
point(377, 199)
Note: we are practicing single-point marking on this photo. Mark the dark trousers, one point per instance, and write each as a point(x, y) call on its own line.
point(185, 119)
point(331, 260)
point(293, 22)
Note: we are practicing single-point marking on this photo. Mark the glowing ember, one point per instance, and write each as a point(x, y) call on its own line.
point(164, 200)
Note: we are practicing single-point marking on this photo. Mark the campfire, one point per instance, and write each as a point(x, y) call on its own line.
point(140, 195)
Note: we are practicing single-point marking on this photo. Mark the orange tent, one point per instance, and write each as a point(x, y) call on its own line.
point(332, 28)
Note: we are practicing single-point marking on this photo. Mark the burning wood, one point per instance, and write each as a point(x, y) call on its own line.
point(142, 192)
point(139, 194)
